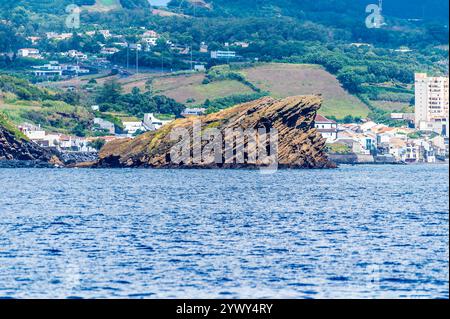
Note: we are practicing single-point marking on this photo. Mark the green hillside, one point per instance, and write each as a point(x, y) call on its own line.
point(275, 79)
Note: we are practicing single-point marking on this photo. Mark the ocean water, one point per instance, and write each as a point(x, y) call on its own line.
point(353, 232)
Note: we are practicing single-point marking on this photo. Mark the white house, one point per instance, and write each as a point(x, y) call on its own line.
point(193, 112)
point(150, 41)
point(75, 54)
point(109, 51)
point(104, 125)
point(105, 33)
point(51, 69)
point(368, 141)
point(29, 53)
point(132, 127)
point(203, 47)
point(58, 36)
point(223, 54)
point(326, 127)
point(367, 126)
point(32, 132)
point(200, 68)
point(151, 123)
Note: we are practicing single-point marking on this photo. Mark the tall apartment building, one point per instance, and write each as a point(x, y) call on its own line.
point(432, 103)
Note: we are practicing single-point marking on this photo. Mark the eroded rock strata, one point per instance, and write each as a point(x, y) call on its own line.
point(299, 143)
point(16, 149)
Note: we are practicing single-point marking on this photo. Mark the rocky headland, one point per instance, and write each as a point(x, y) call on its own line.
point(17, 151)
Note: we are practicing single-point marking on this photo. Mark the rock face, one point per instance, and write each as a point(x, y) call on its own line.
point(299, 143)
point(16, 149)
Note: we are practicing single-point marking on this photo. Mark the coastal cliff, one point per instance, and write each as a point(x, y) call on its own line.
point(14, 147)
point(299, 145)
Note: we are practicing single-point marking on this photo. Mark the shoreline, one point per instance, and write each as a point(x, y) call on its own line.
point(20, 164)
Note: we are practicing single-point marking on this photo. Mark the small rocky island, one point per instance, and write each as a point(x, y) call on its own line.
point(299, 143)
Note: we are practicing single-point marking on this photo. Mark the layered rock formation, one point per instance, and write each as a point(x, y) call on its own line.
point(299, 143)
point(14, 147)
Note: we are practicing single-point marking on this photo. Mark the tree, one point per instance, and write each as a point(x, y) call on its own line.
point(110, 92)
point(149, 86)
point(97, 144)
point(351, 81)
point(20, 16)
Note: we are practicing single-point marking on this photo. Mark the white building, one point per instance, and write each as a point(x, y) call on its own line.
point(109, 51)
point(223, 54)
point(326, 127)
point(29, 53)
point(365, 127)
point(200, 68)
point(151, 123)
point(105, 33)
point(193, 112)
point(75, 55)
point(432, 103)
point(203, 47)
point(132, 127)
point(58, 36)
point(32, 132)
point(104, 125)
point(150, 41)
point(51, 69)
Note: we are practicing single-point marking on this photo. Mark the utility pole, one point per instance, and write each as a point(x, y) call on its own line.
point(192, 58)
point(137, 59)
point(76, 71)
point(128, 56)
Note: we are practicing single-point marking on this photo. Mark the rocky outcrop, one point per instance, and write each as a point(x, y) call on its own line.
point(75, 158)
point(299, 143)
point(15, 148)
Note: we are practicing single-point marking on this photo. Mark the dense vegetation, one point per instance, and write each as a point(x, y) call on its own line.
point(111, 99)
point(134, 4)
point(308, 31)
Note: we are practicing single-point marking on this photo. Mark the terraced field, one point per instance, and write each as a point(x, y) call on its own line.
point(278, 79)
point(103, 5)
point(283, 80)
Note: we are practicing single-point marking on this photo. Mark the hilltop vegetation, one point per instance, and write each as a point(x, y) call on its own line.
point(6, 124)
point(376, 66)
point(69, 112)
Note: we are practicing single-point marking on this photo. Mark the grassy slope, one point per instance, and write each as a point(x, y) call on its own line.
point(67, 115)
point(182, 89)
point(5, 123)
point(283, 80)
point(185, 87)
point(103, 5)
point(393, 106)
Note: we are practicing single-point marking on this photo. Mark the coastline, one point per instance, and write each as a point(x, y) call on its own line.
point(19, 164)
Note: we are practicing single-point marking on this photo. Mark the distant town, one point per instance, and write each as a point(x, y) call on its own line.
point(83, 63)
point(424, 139)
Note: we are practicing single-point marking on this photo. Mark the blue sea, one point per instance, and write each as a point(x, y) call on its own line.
point(354, 232)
